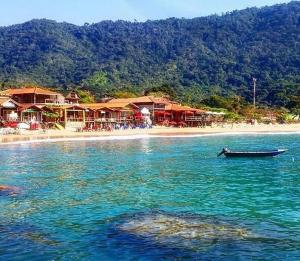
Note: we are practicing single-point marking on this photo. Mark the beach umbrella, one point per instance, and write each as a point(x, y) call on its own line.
point(13, 116)
point(145, 111)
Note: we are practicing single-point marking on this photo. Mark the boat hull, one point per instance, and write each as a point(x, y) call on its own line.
point(254, 154)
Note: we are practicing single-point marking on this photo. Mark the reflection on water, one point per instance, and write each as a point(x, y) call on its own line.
point(150, 199)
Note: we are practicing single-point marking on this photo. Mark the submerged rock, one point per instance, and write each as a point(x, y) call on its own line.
point(8, 190)
point(182, 231)
point(22, 241)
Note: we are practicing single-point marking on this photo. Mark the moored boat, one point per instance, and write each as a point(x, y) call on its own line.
point(264, 153)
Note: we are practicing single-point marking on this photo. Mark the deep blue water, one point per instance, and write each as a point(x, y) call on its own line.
point(79, 200)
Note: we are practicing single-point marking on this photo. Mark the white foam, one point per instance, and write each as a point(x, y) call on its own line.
point(102, 138)
point(146, 136)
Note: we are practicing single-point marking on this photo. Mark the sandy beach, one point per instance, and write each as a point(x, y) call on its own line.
point(160, 131)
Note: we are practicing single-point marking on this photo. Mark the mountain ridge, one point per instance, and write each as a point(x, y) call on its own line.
point(213, 54)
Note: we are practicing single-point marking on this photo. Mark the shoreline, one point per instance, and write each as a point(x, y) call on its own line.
point(65, 135)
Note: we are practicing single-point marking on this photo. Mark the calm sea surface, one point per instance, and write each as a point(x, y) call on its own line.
point(150, 199)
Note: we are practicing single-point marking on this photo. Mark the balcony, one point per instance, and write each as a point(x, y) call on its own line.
point(89, 119)
point(77, 119)
point(106, 120)
point(56, 102)
point(194, 118)
point(111, 120)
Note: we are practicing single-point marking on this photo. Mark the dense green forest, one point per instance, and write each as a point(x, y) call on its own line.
point(214, 56)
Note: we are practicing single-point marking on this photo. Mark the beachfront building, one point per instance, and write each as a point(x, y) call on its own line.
point(152, 104)
point(109, 115)
point(34, 95)
point(72, 98)
point(72, 116)
point(40, 105)
point(175, 114)
point(182, 116)
point(30, 112)
point(8, 109)
point(166, 112)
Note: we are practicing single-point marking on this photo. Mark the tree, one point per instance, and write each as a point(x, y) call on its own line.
point(164, 90)
point(98, 84)
point(124, 94)
point(85, 96)
point(98, 79)
point(214, 55)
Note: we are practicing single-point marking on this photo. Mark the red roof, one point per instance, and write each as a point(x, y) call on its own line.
point(29, 90)
point(143, 99)
point(108, 105)
point(25, 106)
point(177, 107)
point(4, 99)
point(187, 109)
point(7, 99)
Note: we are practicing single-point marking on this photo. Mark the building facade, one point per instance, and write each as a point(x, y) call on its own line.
point(36, 104)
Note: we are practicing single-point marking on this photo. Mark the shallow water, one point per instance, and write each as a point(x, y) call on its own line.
point(86, 200)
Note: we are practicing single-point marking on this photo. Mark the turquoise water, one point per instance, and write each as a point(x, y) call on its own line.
point(80, 200)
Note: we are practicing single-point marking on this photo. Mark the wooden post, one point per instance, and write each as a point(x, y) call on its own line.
point(65, 117)
point(254, 97)
point(83, 115)
point(153, 113)
point(254, 92)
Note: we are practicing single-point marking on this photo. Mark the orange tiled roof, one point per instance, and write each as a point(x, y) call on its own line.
point(143, 99)
point(29, 90)
point(178, 107)
point(120, 105)
point(5, 99)
point(94, 106)
point(109, 105)
point(68, 106)
point(161, 100)
point(25, 106)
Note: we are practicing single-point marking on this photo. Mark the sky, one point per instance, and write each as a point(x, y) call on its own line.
point(93, 11)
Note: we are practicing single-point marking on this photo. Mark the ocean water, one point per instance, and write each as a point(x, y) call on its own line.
point(150, 199)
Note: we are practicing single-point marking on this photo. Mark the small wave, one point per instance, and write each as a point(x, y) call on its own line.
point(53, 140)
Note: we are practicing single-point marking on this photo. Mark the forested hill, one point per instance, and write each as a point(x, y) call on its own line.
point(215, 54)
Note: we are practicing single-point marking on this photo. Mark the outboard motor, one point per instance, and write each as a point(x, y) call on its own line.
point(223, 151)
